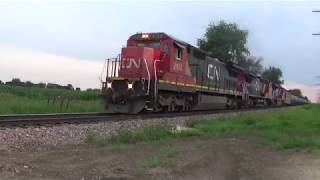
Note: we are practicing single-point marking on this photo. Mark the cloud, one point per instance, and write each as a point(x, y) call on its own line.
point(36, 66)
point(310, 91)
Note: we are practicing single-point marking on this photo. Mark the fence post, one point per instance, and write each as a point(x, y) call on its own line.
point(61, 102)
point(54, 100)
point(68, 102)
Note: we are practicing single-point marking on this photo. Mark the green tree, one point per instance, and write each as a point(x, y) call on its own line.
point(70, 87)
point(16, 81)
point(273, 74)
point(296, 92)
point(29, 84)
point(226, 41)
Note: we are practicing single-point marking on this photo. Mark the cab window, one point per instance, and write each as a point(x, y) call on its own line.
point(165, 48)
point(155, 45)
point(178, 53)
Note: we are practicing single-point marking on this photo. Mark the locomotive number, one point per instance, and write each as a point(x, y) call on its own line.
point(213, 72)
point(177, 67)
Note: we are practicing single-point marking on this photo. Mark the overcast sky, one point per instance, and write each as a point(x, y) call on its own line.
point(280, 32)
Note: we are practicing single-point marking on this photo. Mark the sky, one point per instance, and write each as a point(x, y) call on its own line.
point(67, 42)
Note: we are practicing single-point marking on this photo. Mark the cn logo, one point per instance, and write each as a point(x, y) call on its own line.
point(213, 72)
point(130, 62)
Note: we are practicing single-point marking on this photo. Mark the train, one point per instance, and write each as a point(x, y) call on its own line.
point(160, 73)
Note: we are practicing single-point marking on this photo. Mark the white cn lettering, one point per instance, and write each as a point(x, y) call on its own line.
point(213, 72)
point(210, 66)
point(130, 62)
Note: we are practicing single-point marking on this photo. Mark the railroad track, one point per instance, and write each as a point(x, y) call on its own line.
point(12, 121)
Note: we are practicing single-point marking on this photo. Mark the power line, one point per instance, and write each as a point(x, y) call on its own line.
point(316, 34)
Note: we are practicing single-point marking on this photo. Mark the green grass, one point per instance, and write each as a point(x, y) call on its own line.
point(295, 128)
point(26, 100)
point(164, 158)
point(147, 134)
point(152, 133)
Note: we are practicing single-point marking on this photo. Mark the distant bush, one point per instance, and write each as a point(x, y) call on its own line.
point(39, 92)
point(18, 82)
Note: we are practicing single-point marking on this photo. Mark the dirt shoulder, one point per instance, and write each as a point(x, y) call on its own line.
point(222, 157)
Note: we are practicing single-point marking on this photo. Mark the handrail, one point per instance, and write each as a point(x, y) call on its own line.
point(103, 70)
point(111, 66)
point(148, 89)
point(155, 78)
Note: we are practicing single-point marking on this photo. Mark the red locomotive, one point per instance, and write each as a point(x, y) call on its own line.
point(161, 73)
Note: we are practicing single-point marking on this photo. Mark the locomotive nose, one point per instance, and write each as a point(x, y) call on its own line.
point(137, 62)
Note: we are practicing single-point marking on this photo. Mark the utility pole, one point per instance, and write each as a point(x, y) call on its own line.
point(318, 77)
point(318, 85)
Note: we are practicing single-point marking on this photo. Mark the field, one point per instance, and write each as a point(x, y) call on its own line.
point(26, 100)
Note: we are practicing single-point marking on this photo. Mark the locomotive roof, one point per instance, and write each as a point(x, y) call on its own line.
point(162, 35)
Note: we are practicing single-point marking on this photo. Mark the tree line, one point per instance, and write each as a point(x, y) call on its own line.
point(18, 82)
point(228, 43)
point(298, 93)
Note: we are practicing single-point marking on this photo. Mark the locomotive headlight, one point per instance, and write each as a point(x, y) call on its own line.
point(109, 85)
point(130, 85)
point(145, 36)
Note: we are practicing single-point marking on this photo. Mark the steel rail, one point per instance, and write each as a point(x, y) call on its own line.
point(12, 121)
point(49, 115)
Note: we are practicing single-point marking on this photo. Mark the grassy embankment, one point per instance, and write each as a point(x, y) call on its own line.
point(295, 128)
point(24, 100)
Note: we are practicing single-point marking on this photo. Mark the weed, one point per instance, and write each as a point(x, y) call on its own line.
point(95, 139)
point(152, 133)
point(165, 157)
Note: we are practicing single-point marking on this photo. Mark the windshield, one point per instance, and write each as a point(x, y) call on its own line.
point(151, 44)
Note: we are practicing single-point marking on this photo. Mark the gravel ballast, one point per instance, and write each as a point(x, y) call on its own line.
point(44, 138)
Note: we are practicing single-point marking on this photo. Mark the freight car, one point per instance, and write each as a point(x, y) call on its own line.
point(158, 72)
